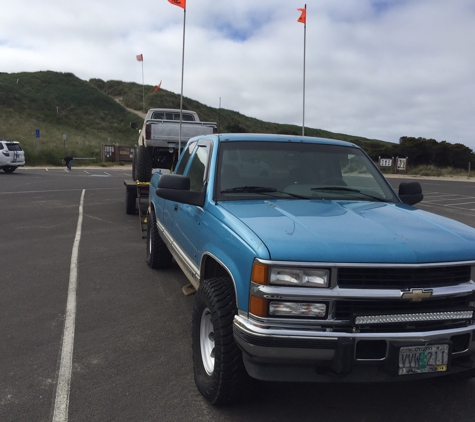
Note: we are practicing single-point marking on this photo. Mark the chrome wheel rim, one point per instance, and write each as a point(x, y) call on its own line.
point(149, 239)
point(207, 341)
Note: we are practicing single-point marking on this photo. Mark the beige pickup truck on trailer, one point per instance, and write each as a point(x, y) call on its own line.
point(160, 137)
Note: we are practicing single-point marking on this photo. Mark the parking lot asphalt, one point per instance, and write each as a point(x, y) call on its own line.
point(131, 359)
point(451, 198)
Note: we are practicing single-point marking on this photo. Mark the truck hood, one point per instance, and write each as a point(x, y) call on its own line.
point(349, 231)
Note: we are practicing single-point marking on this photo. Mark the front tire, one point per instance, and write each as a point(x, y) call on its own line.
point(9, 169)
point(217, 360)
point(158, 255)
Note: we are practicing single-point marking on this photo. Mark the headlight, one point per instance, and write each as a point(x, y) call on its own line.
point(300, 277)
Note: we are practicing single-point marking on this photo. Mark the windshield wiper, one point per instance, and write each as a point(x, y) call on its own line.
point(246, 189)
point(344, 189)
point(260, 190)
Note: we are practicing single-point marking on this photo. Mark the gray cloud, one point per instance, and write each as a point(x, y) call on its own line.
point(381, 69)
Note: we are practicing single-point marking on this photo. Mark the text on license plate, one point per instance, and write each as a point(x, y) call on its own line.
point(421, 359)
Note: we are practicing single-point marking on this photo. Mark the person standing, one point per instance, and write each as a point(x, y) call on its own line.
point(68, 161)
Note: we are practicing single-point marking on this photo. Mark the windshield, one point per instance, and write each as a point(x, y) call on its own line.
point(299, 171)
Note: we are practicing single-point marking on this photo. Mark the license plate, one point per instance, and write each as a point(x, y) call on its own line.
point(423, 359)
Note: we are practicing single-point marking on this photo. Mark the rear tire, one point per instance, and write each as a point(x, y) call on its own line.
point(158, 255)
point(130, 201)
point(143, 165)
point(217, 360)
point(9, 169)
point(134, 165)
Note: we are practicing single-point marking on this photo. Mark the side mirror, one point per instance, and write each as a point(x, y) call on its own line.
point(134, 125)
point(410, 192)
point(175, 187)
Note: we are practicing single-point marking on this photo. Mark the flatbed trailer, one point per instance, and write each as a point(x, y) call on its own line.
point(136, 201)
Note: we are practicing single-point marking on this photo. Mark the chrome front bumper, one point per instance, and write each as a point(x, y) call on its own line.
point(304, 355)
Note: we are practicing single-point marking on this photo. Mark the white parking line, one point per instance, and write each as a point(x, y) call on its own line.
point(61, 403)
point(460, 203)
point(439, 194)
point(450, 197)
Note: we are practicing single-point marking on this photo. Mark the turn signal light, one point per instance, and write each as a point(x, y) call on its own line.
point(258, 306)
point(260, 273)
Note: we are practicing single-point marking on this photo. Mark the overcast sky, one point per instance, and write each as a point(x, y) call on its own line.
point(375, 68)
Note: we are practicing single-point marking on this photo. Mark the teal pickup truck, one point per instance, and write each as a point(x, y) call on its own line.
point(311, 268)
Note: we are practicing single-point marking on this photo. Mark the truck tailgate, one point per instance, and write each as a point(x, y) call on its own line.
point(170, 131)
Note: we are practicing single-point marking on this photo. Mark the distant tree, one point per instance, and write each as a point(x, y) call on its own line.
point(422, 151)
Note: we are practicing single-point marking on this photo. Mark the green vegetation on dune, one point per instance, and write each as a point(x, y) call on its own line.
point(96, 111)
point(131, 95)
point(57, 104)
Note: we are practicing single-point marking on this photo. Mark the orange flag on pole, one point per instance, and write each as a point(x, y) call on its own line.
point(303, 16)
point(157, 87)
point(139, 57)
point(179, 3)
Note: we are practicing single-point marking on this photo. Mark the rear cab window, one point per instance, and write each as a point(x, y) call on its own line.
point(160, 115)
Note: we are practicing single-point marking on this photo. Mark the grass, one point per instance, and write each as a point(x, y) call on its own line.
point(94, 112)
point(131, 96)
point(57, 104)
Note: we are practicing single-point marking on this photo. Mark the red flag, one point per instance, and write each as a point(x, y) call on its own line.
point(139, 57)
point(179, 3)
point(303, 16)
point(157, 87)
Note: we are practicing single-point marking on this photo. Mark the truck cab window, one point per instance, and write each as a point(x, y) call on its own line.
point(186, 157)
point(197, 169)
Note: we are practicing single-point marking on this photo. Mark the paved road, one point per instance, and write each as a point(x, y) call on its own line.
point(131, 357)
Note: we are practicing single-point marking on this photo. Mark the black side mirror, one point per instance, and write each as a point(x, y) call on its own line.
point(134, 125)
point(174, 181)
point(410, 192)
point(175, 187)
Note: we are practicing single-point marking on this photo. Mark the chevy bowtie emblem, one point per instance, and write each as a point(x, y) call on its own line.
point(416, 295)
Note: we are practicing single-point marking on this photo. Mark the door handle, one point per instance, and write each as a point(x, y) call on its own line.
point(176, 208)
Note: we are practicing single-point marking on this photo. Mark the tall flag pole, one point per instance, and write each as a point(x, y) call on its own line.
point(140, 59)
point(182, 4)
point(303, 19)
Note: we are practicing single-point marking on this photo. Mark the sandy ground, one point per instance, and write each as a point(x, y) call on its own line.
point(416, 177)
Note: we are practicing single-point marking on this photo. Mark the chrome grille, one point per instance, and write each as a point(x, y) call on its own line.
point(401, 278)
